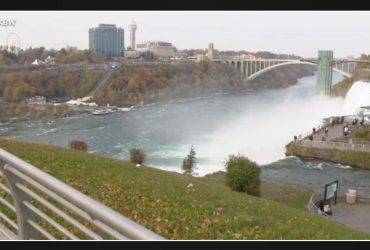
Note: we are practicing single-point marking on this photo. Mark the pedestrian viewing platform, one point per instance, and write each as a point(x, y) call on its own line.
point(356, 216)
point(331, 136)
point(354, 212)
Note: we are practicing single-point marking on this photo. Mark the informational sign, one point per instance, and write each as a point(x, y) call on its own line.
point(331, 191)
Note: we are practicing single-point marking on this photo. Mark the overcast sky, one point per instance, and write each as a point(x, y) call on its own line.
point(292, 32)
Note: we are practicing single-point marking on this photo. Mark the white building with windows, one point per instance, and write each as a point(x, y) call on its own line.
point(158, 48)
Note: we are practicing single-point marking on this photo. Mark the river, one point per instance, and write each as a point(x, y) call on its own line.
point(257, 124)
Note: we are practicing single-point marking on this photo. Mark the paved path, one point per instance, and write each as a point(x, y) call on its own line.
point(356, 216)
point(334, 132)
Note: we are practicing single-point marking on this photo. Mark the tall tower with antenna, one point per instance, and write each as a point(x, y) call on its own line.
point(133, 28)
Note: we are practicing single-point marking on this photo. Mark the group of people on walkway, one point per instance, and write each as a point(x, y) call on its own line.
point(336, 120)
point(355, 121)
point(332, 122)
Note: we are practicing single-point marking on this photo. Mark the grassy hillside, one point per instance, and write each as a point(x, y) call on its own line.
point(161, 201)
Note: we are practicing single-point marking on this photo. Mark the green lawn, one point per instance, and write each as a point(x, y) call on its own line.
point(162, 202)
point(293, 197)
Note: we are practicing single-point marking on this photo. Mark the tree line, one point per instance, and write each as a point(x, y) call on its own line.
point(15, 87)
point(135, 84)
point(62, 56)
point(131, 85)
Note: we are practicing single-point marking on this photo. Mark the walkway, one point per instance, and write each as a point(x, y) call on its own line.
point(356, 216)
point(335, 140)
point(334, 132)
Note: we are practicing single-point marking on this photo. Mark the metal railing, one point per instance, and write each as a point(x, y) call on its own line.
point(306, 134)
point(315, 199)
point(363, 195)
point(35, 205)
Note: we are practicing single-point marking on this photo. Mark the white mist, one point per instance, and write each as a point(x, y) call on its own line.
point(358, 95)
point(264, 128)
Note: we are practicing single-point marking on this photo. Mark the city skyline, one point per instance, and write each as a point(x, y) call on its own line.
point(301, 33)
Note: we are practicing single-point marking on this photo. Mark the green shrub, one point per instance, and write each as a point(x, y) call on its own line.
point(79, 145)
point(361, 133)
point(243, 175)
point(137, 155)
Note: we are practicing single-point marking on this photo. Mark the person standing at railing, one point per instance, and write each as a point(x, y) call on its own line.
point(362, 121)
point(345, 132)
point(332, 121)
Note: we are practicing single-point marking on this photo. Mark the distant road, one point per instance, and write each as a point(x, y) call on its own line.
point(61, 67)
point(102, 82)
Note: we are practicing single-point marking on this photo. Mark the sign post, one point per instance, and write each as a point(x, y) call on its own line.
point(331, 190)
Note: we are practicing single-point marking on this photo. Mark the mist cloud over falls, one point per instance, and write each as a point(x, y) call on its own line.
point(270, 119)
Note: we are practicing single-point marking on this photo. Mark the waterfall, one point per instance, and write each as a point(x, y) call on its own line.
point(357, 96)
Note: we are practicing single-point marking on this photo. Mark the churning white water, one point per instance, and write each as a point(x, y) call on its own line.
point(357, 96)
point(262, 132)
point(270, 121)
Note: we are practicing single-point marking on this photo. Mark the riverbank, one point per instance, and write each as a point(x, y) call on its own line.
point(163, 202)
point(344, 157)
point(23, 111)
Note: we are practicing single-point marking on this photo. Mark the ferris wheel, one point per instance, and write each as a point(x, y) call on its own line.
point(13, 42)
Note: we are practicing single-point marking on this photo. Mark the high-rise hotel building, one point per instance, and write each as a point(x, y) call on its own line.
point(107, 39)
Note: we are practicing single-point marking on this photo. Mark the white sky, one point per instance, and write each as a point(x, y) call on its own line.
point(292, 32)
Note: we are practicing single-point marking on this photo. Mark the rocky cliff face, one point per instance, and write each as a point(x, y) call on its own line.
point(345, 157)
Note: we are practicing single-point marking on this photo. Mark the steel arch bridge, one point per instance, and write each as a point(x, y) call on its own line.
point(252, 68)
point(326, 64)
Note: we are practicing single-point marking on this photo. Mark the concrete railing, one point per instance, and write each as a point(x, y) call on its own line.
point(35, 205)
point(362, 147)
point(362, 193)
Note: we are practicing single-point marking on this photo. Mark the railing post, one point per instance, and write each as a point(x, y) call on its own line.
point(25, 230)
